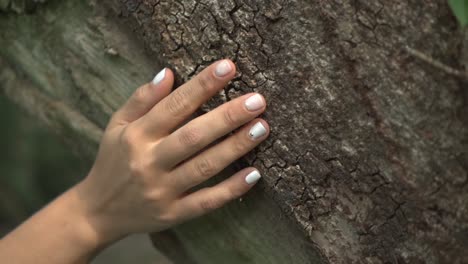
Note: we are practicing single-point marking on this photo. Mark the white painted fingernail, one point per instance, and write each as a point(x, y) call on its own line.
point(257, 131)
point(159, 77)
point(223, 68)
point(254, 102)
point(252, 177)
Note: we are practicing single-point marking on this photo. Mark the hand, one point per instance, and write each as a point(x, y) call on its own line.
point(147, 164)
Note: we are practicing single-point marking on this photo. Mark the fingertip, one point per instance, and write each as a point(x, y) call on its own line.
point(259, 129)
point(162, 84)
point(163, 78)
point(251, 176)
point(159, 77)
point(170, 75)
point(224, 68)
point(265, 124)
point(145, 97)
point(261, 96)
point(254, 102)
point(233, 65)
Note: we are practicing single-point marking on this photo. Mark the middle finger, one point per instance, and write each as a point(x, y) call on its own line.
point(202, 131)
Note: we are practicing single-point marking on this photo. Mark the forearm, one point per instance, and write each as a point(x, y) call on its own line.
point(58, 234)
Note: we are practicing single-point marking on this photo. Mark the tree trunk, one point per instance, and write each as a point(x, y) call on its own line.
point(367, 160)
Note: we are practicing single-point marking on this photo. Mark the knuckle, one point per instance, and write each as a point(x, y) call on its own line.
point(177, 103)
point(206, 82)
point(229, 117)
point(136, 168)
point(165, 216)
point(204, 168)
point(142, 174)
point(241, 145)
point(190, 137)
point(211, 203)
point(130, 136)
point(155, 196)
point(233, 193)
point(140, 94)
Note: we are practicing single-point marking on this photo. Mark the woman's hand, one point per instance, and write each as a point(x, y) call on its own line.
point(146, 166)
point(148, 162)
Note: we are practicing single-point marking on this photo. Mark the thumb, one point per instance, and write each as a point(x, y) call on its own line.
point(144, 98)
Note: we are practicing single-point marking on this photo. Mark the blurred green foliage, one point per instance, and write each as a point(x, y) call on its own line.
point(460, 10)
point(35, 166)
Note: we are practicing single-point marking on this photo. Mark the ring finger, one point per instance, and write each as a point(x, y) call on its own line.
point(214, 159)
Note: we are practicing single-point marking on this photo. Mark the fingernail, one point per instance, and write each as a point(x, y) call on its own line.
point(159, 77)
point(254, 102)
point(223, 68)
point(252, 177)
point(257, 131)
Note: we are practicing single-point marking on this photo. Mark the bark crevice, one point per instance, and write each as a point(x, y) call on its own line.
point(368, 150)
point(369, 119)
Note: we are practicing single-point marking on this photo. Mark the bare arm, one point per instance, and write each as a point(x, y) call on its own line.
point(59, 233)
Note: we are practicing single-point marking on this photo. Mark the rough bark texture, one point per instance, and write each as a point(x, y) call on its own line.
point(368, 152)
point(72, 64)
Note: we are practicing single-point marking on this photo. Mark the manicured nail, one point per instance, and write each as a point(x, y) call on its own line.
point(252, 177)
point(159, 77)
point(254, 102)
point(257, 131)
point(223, 68)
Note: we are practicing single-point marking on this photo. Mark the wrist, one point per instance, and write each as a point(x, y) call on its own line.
point(99, 226)
point(66, 235)
point(88, 233)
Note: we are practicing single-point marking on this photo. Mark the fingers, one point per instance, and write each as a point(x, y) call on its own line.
point(144, 98)
point(214, 159)
point(211, 198)
point(205, 129)
point(180, 104)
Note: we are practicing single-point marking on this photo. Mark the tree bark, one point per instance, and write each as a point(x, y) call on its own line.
point(367, 160)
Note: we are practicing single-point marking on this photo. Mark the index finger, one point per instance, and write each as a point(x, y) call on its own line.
point(165, 116)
